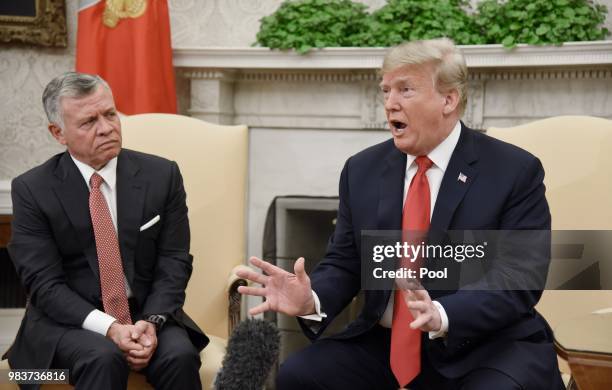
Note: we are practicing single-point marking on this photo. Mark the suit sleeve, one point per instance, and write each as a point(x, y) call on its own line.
point(38, 261)
point(174, 263)
point(336, 279)
point(481, 312)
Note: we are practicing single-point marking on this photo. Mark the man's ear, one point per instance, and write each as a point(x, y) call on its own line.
point(451, 101)
point(57, 133)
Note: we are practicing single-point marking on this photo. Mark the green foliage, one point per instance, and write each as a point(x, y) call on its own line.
point(306, 24)
point(406, 20)
point(539, 22)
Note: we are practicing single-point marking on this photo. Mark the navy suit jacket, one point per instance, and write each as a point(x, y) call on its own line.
point(54, 251)
point(504, 190)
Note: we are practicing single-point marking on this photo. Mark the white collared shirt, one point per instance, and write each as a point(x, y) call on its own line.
point(440, 156)
point(98, 321)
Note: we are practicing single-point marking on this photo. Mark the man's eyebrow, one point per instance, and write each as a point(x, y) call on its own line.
point(398, 80)
point(86, 118)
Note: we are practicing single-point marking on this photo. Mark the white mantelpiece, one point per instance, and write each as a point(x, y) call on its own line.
point(477, 56)
point(336, 88)
point(6, 206)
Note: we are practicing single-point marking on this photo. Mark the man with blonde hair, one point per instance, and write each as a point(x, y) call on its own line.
point(435, 174)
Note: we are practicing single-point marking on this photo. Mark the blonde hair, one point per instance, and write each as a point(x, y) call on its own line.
point(450, 70)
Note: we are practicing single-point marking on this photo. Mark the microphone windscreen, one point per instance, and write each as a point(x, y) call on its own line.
point(252, 350)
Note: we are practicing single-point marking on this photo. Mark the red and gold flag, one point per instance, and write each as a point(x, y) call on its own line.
point(127, 43)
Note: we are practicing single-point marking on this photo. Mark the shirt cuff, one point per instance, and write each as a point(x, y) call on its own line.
point(318, 316)
point(98, 321)
point(443, 319)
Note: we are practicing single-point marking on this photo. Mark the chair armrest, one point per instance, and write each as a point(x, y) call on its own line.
point(235, 298)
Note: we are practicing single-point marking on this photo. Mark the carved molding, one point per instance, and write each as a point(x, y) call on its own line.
point(352, 76)
point(474, 111)
point(216, 73)
point(6, 205)
point(213, 99)
point(477, 56)
point(347, 76)
point(47, 28)
point(372, 112)
point(208, 74)
point(542, 74)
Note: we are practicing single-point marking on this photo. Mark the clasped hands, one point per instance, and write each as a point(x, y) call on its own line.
point(138, 342)
point(291, 294)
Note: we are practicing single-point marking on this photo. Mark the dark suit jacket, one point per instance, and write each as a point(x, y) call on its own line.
point(54, 251)
point(504, 190)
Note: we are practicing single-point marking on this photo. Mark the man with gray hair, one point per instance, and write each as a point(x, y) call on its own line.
point(100, 240)
point(434, 175)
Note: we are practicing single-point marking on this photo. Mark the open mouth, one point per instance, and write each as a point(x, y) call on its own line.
point(398, 125)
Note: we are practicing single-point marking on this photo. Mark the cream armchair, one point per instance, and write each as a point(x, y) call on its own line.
point(213, 162)
point(575, 153)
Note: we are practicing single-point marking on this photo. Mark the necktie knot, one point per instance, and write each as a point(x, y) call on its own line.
point(96, 181)
point(423, 163)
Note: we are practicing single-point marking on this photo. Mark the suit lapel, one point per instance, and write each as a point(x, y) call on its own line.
point(391, 191)
point(73, 194)
point(453, 188)
point(130, 201)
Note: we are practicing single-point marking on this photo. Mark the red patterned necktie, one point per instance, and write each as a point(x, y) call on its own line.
point(406, 342)
point(114, 297)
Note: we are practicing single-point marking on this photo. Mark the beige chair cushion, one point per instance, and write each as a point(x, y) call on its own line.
point(575, 153)
point(213, 162)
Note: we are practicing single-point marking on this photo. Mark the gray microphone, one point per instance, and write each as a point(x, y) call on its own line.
point(252, 350)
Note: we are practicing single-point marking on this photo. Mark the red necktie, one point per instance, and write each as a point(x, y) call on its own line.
point(114, 297)
point(406, 342)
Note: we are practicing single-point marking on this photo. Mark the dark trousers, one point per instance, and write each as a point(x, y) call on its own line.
point(362, 363)
point(95, 362)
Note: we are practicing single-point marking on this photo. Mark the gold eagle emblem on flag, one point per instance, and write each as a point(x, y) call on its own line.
point(116, 10)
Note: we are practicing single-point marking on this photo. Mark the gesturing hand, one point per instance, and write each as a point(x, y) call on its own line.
point(285, 292)
point(425, 313)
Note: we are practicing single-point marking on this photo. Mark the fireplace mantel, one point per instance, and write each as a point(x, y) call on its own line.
point(477, 56)
point(336, 88)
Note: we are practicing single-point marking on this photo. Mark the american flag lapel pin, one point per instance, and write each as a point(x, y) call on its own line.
point(462, 178)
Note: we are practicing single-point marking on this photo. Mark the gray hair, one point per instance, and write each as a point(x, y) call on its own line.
point(450, 70)
point(69, 84)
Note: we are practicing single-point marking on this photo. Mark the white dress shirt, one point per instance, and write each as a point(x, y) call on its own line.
point(97, 320)
point(440, 157)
